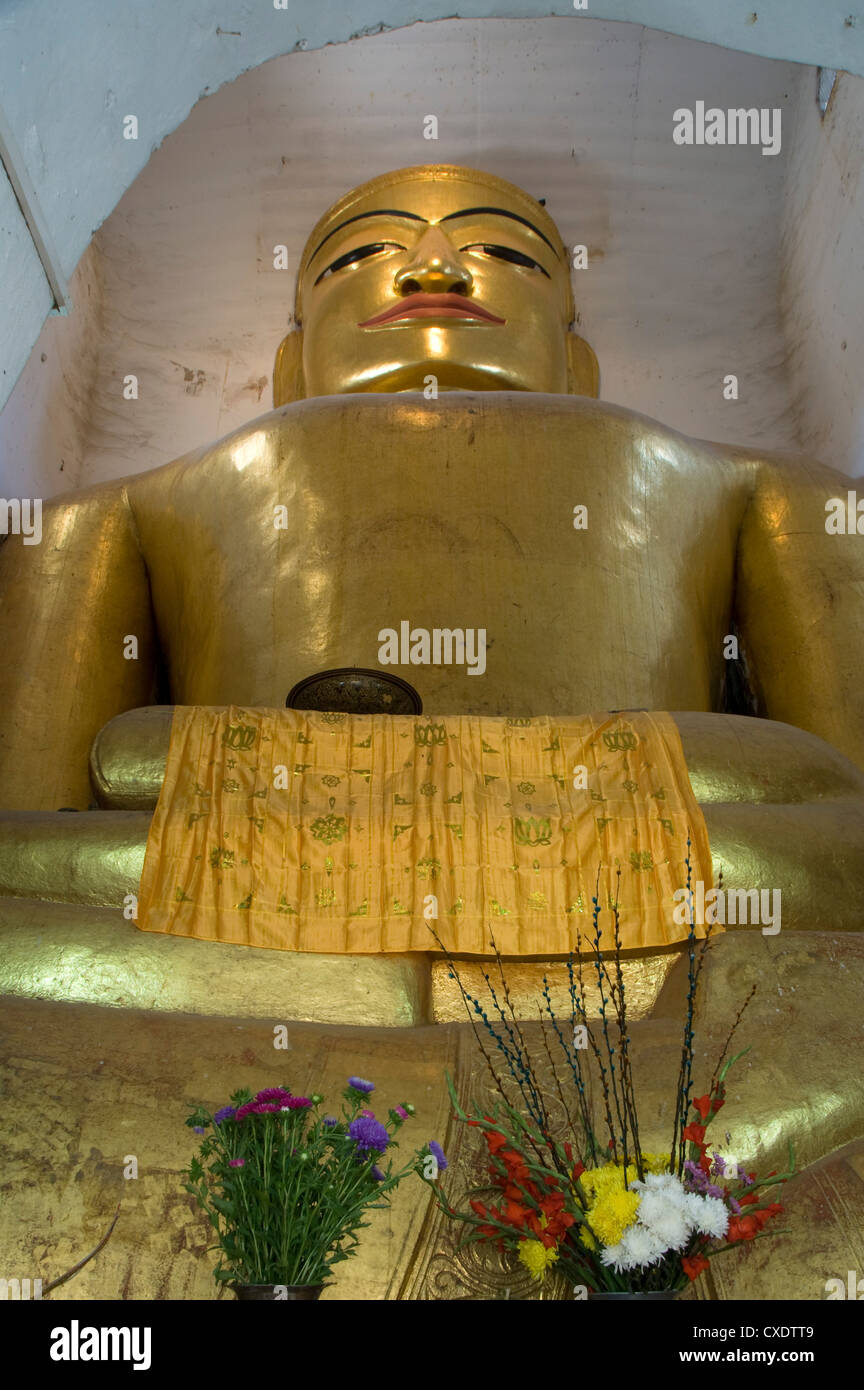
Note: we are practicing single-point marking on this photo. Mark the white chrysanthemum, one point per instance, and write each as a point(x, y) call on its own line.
point(714, 1216)
point(616, 1256)
point(656, 1182)
point(694, 1210)
point(664, 1216)
point(665, 1187)
point(641, 1246)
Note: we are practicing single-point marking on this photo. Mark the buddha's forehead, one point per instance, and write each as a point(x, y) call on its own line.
point(430, 197)
point(432, 193)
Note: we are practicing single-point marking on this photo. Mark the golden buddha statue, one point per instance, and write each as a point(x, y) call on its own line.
point(437, 454)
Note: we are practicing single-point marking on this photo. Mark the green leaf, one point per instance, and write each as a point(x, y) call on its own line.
point(727, 1065)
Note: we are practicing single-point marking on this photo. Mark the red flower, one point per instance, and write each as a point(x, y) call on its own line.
point(703, 1105)
point(517, 1170)
point(694, 1133)
point(495, 1140)
point(578, 1171)
point(478, 1208)
point(693, 1265)
point(743, 1227)
point(516, 1214)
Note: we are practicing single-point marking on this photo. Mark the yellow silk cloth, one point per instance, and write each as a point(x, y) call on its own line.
point(349, 833)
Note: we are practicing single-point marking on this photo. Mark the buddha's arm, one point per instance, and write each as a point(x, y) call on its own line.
point(68, 607)
point(800, 604)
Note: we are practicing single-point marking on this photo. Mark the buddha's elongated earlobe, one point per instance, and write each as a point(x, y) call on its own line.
point(583, 369)
point(288, 383)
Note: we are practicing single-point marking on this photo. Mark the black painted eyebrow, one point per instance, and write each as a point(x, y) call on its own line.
point(358, 217)
point(502, 212)
point(415, 217)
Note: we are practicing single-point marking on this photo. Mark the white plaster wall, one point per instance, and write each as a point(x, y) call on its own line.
point(683, 283)
point(44, 426)
point(70, 72)
point(25, 298)
point(823, 250)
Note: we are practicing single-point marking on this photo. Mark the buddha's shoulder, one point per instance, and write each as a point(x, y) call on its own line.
point(351, 423)
point(532, 424)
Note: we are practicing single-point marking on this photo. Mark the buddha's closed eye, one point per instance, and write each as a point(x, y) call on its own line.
point(375, 248)
point(506, 253)
point(359, 253)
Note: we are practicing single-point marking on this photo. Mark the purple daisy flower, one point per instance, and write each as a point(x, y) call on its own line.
point(437, 1153)
point(294, 1103)
point(695, 1179)
point(225, 1113)
point(368, 1134)
point(401, 1112)
point(236, 1163)
point(376, 1173)
point(358, 1084)
point(198, 1129)
point(330, 1121)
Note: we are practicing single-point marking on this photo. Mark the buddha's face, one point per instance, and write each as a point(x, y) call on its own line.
point(449, 278)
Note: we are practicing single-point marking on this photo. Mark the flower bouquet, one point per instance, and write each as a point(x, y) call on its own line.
point(285, 1188)
point(611, 1217)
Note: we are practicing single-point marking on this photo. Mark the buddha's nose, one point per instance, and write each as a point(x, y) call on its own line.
point(434, 268)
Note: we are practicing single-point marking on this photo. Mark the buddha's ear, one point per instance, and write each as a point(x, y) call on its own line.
point(288, 384)
point(583, 369)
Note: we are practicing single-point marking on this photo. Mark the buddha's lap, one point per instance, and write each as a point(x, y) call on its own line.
point(730, 758)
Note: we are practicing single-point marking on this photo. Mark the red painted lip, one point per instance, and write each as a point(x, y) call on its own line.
point(433, 306)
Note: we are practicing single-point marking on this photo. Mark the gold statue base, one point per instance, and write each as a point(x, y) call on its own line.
point(90, 1086)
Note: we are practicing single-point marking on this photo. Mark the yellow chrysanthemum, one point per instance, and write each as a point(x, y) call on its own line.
point(612, 1214)
point(586, 1237)
point(655, 1163)
point(598, 1182)
point(536, 1258)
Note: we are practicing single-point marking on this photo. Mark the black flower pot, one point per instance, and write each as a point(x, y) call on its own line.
point(657, 1293)
point(279, 1293)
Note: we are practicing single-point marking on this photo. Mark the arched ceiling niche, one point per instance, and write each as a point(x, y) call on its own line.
point(69, 74)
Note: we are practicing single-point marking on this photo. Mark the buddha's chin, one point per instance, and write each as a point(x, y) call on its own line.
point(435, 378)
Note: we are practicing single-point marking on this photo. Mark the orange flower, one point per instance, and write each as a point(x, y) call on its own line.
point(703, 1105)
point(693, 1265)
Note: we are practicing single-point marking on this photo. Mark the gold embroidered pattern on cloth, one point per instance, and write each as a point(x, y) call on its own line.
point(337, 833)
